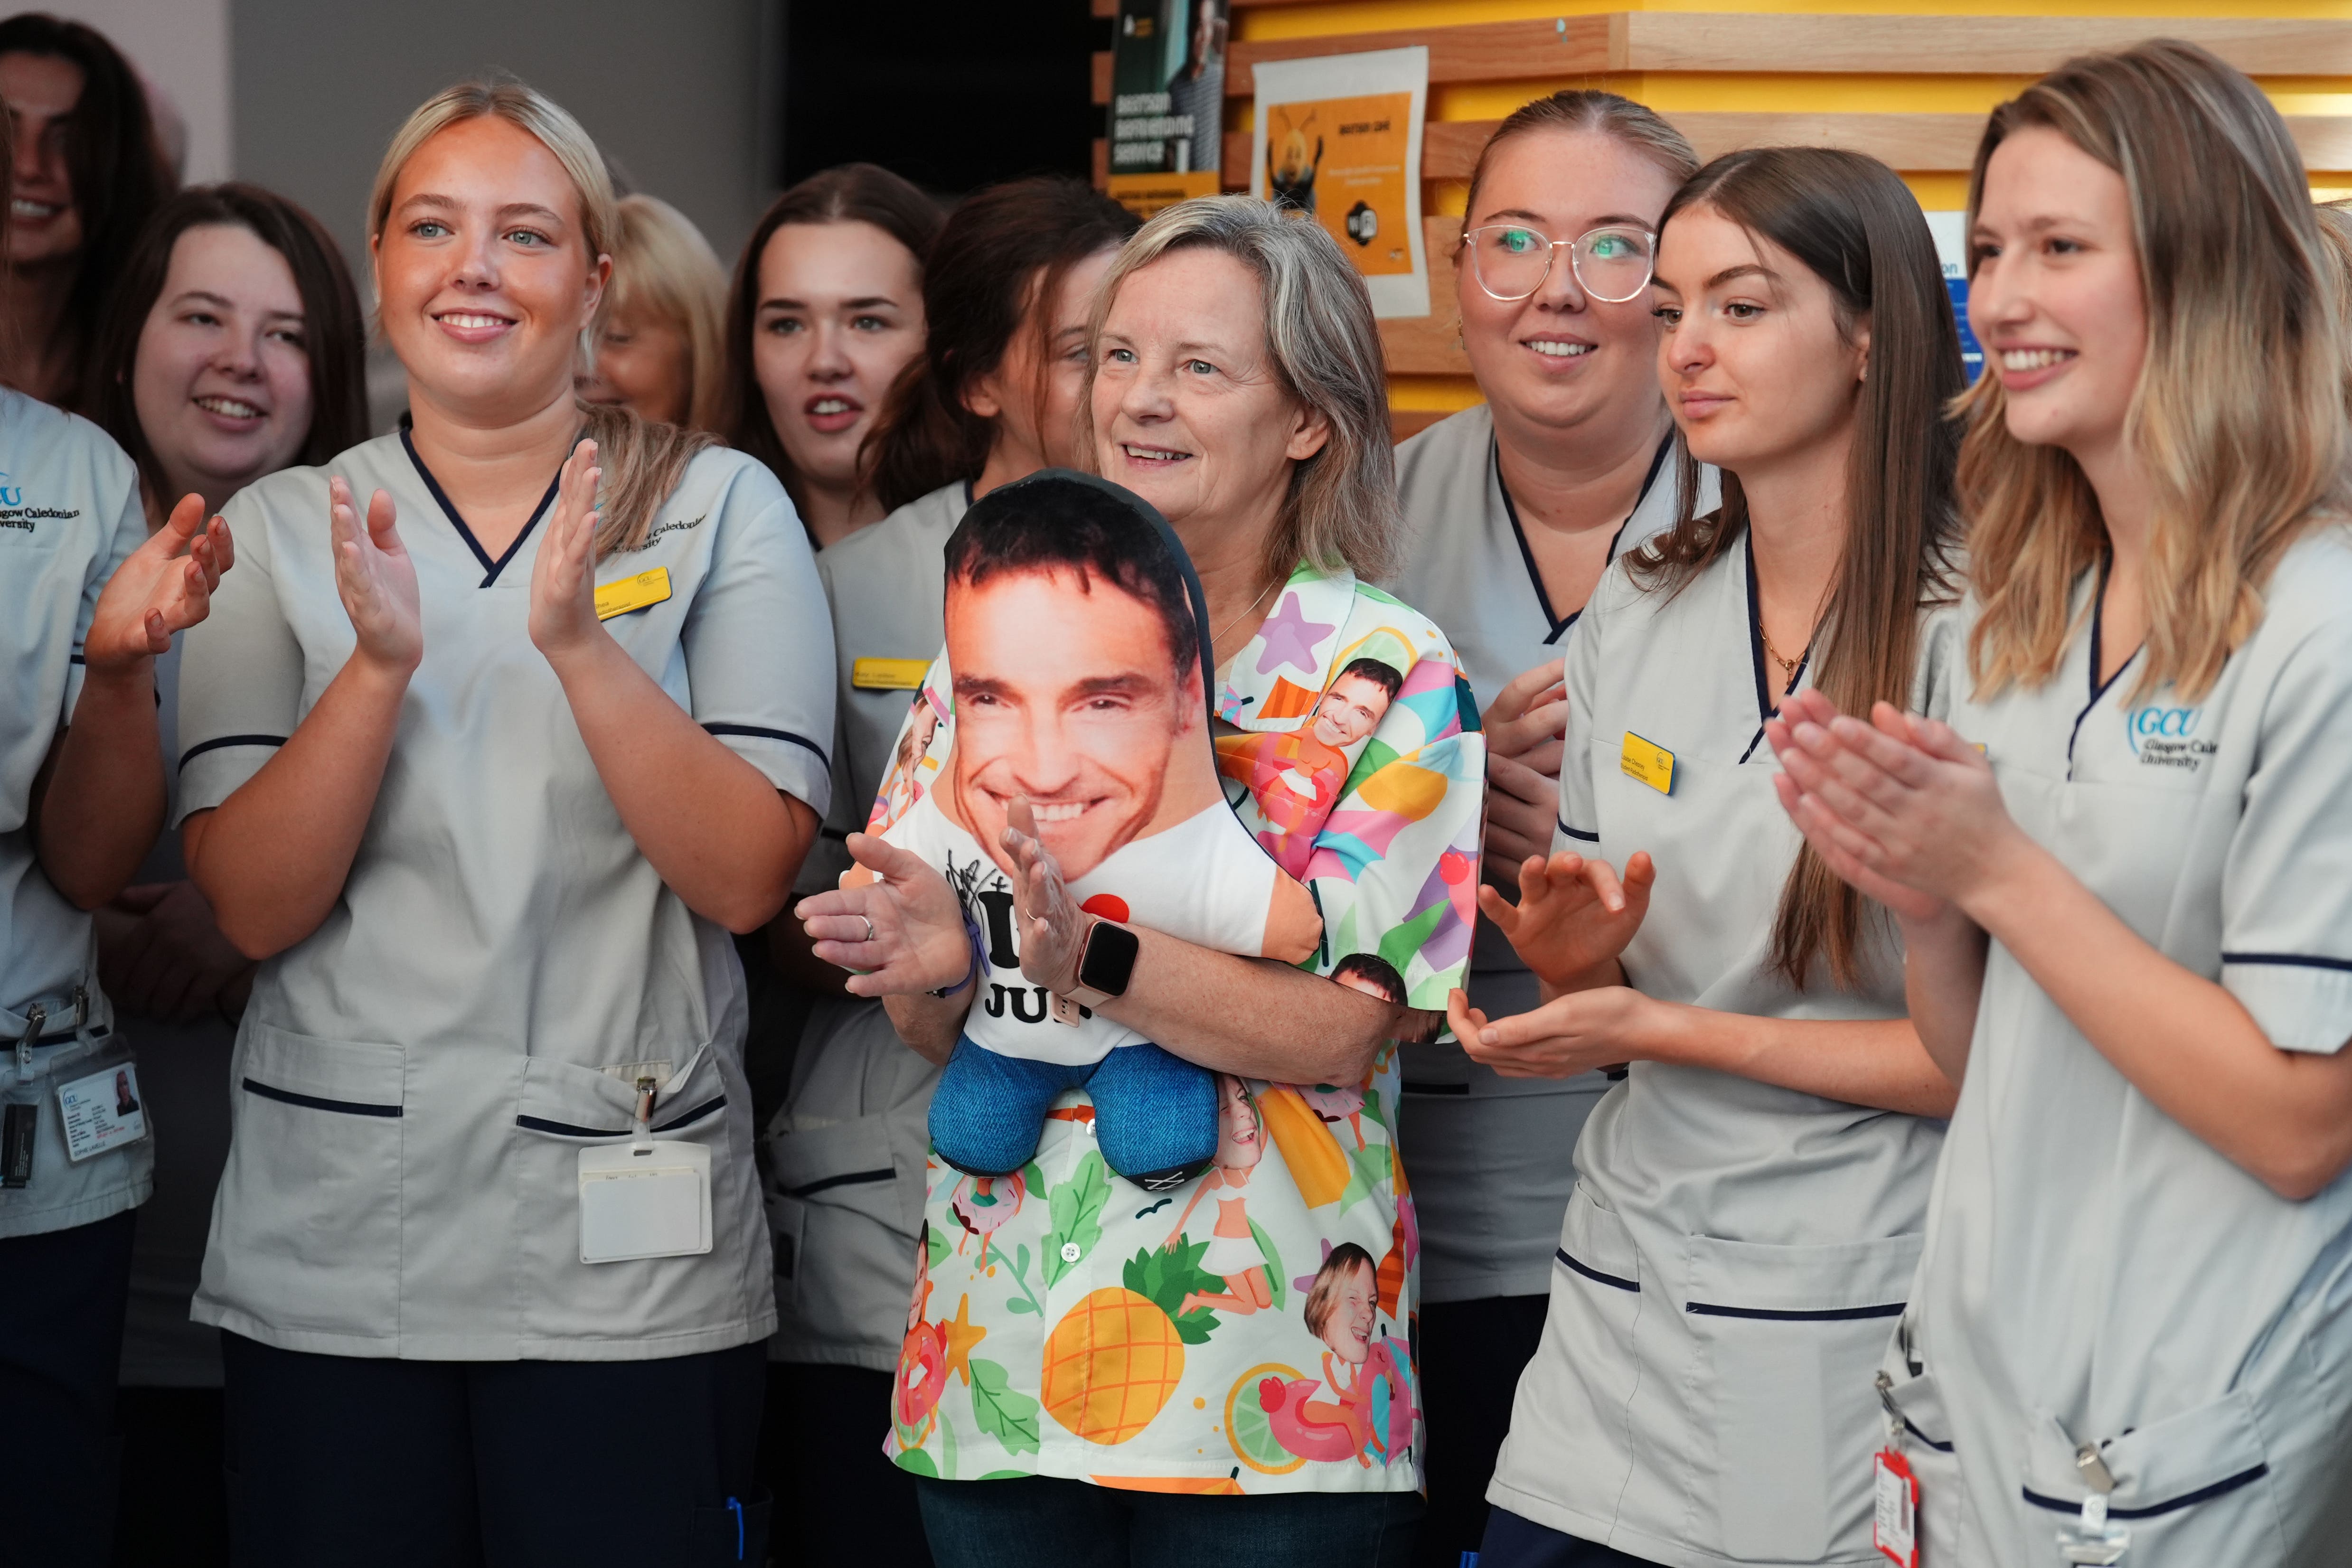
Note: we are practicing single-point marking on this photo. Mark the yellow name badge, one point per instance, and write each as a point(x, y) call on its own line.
point(629, 593)
point(888, 674)
point(1651, 763)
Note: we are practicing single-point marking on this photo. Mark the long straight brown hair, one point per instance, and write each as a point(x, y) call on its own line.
point(1852, 220)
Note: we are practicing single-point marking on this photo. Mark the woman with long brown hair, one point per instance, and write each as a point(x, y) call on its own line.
point(825, 313)
point(2121, 867)
point(509, 731)
point(1746, 1212)
point(88, 172)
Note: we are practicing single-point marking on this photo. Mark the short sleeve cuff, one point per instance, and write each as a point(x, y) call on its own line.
point(76, 672)
point(2300, 1003)
point(793, 763)
point(213, 771)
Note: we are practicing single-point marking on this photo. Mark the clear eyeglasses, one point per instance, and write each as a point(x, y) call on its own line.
point(1512, 260)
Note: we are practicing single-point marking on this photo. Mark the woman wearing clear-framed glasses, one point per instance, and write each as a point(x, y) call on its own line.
point(1514, 508)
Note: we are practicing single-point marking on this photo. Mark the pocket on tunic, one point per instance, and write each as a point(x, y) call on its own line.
point(565, 1107)
point(306, 1231)
point(2193, 1490)
point(847, 1202)
point(1567, 1412)
point(1787, 1342)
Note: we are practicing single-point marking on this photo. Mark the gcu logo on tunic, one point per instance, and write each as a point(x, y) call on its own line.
point(11, 493)
point(2166, 738)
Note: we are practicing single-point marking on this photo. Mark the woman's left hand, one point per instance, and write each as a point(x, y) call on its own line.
point(1052, 926)
point(1567, 1035)
point(564, 578)
point(1901, 807)
point(163, 589)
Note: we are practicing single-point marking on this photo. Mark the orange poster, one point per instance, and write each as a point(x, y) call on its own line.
point(1339, 138)
point(1343, 159)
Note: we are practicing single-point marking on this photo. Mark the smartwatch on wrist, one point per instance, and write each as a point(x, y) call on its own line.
point(1106, 964)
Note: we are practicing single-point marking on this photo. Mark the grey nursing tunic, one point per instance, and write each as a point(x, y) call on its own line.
point(414, 1082)
point(1734, 1254)
point(70, 515)
point(2095, 1273)
point(846, 1152)
point(1489, 1154)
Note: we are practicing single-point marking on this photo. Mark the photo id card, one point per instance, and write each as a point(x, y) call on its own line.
point(648, 1200)
point(102, 1112)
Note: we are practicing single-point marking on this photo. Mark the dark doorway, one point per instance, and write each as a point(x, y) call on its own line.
point(952, 94)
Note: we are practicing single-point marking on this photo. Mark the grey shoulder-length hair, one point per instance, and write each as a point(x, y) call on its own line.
point(1323, 347)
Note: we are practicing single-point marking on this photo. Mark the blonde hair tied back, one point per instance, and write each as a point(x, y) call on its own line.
point(2239, 416)
point(642, 462)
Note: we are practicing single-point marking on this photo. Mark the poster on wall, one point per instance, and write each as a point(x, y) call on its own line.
point(1166, 102)
point(1339, 138)
point(1951, 232)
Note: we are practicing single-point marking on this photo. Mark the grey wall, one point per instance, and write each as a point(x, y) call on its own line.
point(680, 93)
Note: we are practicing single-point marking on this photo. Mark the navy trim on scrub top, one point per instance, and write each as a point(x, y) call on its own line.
point(2098, 687)
point(2149, 1511)
point(1535, 577)
point(565, 1129)
point(853, 1178)
point(492, 567)
point(1595, 1275)
point(316, 1103)
point(2292, 961)
point(215, 745)
point(1796, 1315)
point(1577, 832)
point(1765, 707)
point(785, 734)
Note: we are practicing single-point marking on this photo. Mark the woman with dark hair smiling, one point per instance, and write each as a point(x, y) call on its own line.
point(88, 172)
point(1749, 1200)
point(232, 348)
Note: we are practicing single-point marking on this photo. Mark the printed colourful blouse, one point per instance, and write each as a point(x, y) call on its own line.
point(1250, 1331)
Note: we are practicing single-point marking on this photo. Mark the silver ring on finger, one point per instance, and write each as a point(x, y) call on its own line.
point(869, 927)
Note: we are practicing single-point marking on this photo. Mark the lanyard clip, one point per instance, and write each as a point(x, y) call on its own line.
point(36, 1019)
point(2093, 1539)
point(644, 1110)
point(1894, 1412)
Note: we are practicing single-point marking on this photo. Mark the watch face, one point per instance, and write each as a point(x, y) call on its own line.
point(1109, 959)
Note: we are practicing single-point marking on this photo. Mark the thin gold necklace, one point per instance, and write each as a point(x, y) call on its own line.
point(1220, 636)
point(1787, 666)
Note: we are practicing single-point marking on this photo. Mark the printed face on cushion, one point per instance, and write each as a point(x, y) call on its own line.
point(1066, 693)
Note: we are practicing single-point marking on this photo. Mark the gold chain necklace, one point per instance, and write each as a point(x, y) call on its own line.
point(1218, 637)
point(1788, 665)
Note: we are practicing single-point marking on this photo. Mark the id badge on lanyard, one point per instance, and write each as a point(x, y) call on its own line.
point(1894, 1521)
point(99, 1111)
point(649, 1198)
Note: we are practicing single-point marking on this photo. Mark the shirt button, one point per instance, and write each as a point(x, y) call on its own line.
point(1071, 1251)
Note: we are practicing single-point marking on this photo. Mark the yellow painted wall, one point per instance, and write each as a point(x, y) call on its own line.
point(1893, 92)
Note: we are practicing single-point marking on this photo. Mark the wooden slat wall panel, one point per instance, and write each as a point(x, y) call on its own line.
point(1976, 45)
point(1430, 345)
point(1770, 42)
point(1915, 143)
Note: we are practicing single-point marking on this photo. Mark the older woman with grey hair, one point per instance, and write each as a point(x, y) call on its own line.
point(1093, 1373)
